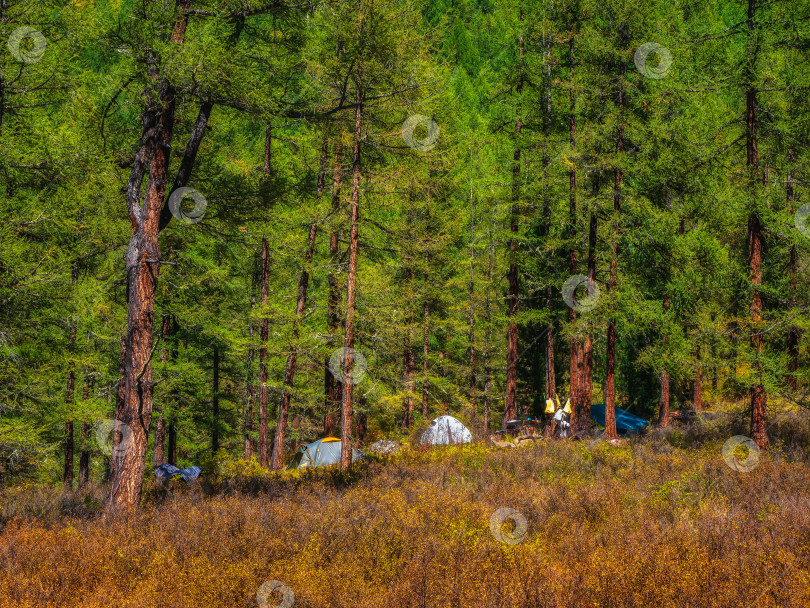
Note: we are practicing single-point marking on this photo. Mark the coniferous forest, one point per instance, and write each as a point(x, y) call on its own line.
point(231, 228)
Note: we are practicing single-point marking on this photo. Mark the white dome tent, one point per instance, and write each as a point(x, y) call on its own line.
point(446, 430)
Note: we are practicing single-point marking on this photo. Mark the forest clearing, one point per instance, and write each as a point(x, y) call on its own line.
point(424, 303)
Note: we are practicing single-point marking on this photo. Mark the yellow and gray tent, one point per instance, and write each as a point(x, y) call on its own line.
point(321, 453)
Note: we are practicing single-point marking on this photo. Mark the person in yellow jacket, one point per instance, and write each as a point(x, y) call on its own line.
point(549, 417)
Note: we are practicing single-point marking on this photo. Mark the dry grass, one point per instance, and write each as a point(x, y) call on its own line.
point(648, 524)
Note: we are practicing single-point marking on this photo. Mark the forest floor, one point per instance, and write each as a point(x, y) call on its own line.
point(662, 521)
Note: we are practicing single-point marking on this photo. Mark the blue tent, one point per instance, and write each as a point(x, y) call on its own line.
point(625, 421)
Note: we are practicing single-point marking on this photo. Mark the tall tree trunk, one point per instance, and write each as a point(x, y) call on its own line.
point(663, 412)
point(586, 382)
point(551, 376)
point(697, 392)
point(351, 286)
point(510, 404)
point(84, 456)
point(263, 355)
point(249, 398)
point(425, 345)
point(172, 433)
point(408, 363)
point(289, 370)
point(277, 459)
point(793, 331)
point(473, 403)
point(215, 405)
point(759, 400)
point(67, 477)
point(143, 267)
point(575, 349)
point(333, 389)
point(488, 312)
point(610, 376)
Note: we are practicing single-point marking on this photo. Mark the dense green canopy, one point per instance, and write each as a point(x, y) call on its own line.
point(547, 134)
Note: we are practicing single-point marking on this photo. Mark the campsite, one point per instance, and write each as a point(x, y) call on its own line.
point(404, 303)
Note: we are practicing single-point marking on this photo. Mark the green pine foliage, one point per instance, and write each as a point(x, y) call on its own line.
point(434, 219)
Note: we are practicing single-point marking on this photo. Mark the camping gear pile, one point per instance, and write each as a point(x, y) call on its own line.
point(384, 447)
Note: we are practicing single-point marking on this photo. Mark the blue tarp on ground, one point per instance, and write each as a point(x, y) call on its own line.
point(165, 472)
point(625, 421)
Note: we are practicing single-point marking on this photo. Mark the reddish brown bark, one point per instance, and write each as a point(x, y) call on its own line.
point(663, 411)
point(172, 434)
point(143, 266)
point(793, 331)
point(249, 399)
point(610, 376)
point(215, 405)
point(697, 388)
point(289, 371)
point(84, 457)
point(408, 368)
point(277, 460)
point(510, 403)
point(263, 355)
point(759, 400)
point(333, 389)
point(351, 286)
point(473, 396)
point(487, 365)
point(67, 477)
point(425, 348)
point(586, 377)
point(575, 349)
